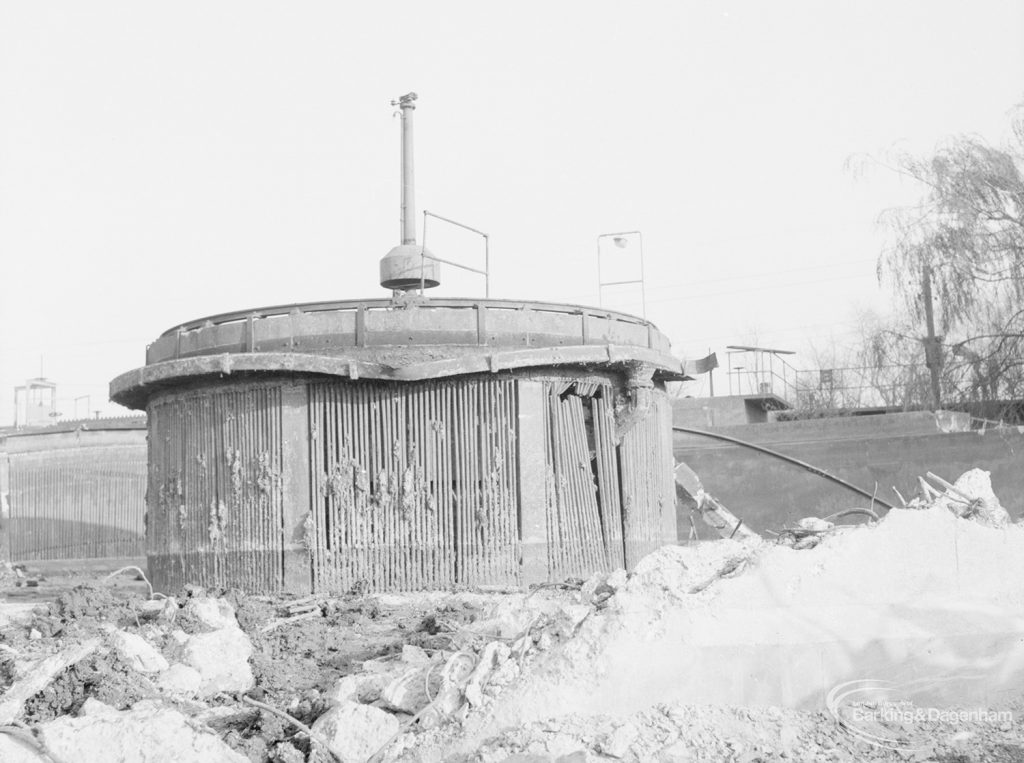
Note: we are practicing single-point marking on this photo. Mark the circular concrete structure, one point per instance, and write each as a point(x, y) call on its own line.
point(403, 444)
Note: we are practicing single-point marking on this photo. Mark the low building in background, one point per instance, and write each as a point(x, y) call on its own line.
point(74, 493)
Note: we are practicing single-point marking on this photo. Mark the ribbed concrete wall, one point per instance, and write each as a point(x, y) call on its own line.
point(83, 500)
point(215, 499)
point(414, 485)
point(334, 485)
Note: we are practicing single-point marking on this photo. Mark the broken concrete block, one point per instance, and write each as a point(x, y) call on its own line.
point(617, 744)
point(13, 750)
point(617, 578)
point(222, 659)
point(408, 692)
point(138, 652)
point(212, 613)
point(151, 608)
point(984, 506)
point(815, 524)
point(448, 700)
point(492, 656)
point(180, 679)
point(354, 732)
point(286, 752)
point(575, 613)
point(16, 613)
point(503, 676)
point(414, 654)
point(148, 733)
point(224, 718)
point(360, 687)
point(379, 666)
point(93, 708)
point(596, 589)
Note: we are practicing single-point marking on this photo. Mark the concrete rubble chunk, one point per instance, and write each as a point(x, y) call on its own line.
point(617, 578)
point(222, 659)
point(359, 687)
point(815, 524)
point(617, 743)
point(492, 656)
point(212, 613)
point(285, 752)
point(93, 708)
point(152, 609)
point(138, 652)
point(16, 613)
point(354, 732)
point(380, 666)
point(414, 654)
point(449, 698)
point(408, 692)
point(149, 732)
point(179, 636)
point(180, 679)
point(972, 497)
point(13, 750)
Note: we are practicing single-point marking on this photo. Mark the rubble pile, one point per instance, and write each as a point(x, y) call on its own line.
point(218, 676)
point(730, 649)
point(928, 598)
point(713, 733)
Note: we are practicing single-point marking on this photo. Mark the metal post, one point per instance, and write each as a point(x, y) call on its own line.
point(600, 281)
point(487, 266)
point(423, 256)
point(711, 377)
point(643, 292)
point(407, 104)
point(932, 343)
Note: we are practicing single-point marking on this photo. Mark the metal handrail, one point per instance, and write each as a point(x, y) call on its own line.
point(486, 272)
point(373, 304)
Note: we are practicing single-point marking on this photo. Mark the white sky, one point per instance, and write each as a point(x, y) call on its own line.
point(160, 162)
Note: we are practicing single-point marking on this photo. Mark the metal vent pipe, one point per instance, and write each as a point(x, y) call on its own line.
point(408, 105)
point(408, 266)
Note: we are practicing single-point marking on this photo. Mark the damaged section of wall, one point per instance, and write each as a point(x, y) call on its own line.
point(648, 489)
point(584, 521)
point(607, 477)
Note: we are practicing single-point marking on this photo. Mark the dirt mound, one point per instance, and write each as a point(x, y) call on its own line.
point(106, 678)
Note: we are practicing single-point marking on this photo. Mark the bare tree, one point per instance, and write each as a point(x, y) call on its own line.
point(957, 259)
point(879, 366)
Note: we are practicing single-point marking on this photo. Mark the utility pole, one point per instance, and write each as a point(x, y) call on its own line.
point(932, 343)
point(711, 376)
